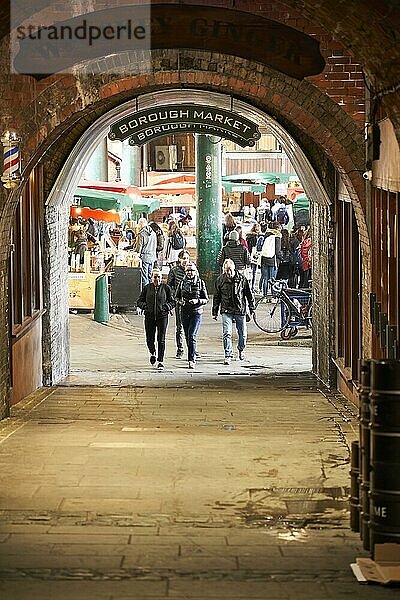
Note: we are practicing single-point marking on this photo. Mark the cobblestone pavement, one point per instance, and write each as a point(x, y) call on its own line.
point(233, 485)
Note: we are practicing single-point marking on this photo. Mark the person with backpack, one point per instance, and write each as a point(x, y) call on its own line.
point(264, 211)
point(280, 212)
point(176, 243)
point(269, 256)
point(255, 240)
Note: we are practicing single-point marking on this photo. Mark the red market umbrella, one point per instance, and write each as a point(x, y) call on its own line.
point(188, 178)
point(172, 189)
point(292, 192)
point(110, 216)
point(111, 186)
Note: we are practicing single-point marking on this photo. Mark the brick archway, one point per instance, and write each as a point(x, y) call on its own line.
point(70, 105)
point(263, 101)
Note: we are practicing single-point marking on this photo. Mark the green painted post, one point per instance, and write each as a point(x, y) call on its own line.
point(209, 207)
point(101, 305)
point(131, 163)
point(97, 167)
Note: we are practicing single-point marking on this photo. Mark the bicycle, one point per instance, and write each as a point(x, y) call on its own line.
point(285, 311)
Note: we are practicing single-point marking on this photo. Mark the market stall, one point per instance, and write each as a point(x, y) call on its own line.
point(96, 248)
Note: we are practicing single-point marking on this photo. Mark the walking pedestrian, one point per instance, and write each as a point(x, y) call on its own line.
point(160, 243)
point(176, 243)
point(191, 296)
point(269, 257)
point(228, 225)
point(234, 250)
point(232, 298)
point(255, 240)
point(156, 300)
point(175, 276)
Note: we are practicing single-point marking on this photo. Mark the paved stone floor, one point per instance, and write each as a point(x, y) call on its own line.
point(229, 482)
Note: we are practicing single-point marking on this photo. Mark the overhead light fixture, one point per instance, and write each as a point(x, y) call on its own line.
point(11, 176)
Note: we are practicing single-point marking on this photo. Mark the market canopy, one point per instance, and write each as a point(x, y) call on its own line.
point(111, 186)
point(101, 199)
point(109, 216)
point(236, 186)
point(261, 177)
point(146, 205)
point(171, 188)
point(109, 200)
point(183, 178)
point(301, 201)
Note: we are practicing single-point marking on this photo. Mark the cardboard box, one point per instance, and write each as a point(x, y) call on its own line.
point(385, 569)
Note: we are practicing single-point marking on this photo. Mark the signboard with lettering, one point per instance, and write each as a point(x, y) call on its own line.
point(146, 125)
point(89, 36)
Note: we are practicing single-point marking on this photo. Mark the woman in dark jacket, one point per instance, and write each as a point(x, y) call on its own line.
point(157, 301)
point(192, 296)
point(285, 269)
point(253, 238)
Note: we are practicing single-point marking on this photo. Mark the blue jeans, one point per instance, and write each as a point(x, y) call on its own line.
point(266, 273)
point(253, 275)
point(178, 328)
point(191, 323)
point(241, 327)
point(145, 273)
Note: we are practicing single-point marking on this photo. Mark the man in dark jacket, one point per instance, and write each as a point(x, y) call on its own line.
point(231, 298)
point(156, 300)
point(175, 276)
point(234, 250)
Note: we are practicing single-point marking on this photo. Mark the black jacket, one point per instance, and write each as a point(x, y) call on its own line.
point(175, 276)
point(232, 295)
point(236, 252)
point(192, 289)
point(156, 303)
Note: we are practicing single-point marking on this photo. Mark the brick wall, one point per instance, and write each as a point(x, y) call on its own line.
point(4, 342)
point(323, 292)
point(55, 277)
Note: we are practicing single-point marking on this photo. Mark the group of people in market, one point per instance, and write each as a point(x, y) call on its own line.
point(268, 248)
point(153, 246)
point(187, 293)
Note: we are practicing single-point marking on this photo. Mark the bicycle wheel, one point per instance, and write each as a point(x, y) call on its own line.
point(271, 315)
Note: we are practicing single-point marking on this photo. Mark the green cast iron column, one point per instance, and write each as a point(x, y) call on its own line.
point(209, 207)
point(130, 165)
point(97, 167)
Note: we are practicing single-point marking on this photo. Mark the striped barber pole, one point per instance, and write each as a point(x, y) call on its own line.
point(11, 158)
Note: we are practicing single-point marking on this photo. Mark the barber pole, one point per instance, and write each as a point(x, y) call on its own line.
point(11, 176)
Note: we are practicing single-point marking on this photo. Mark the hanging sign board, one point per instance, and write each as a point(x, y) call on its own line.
point(41, 50)
point(146, 125)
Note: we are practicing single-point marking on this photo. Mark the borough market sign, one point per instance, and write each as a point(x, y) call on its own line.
point(147, 125)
